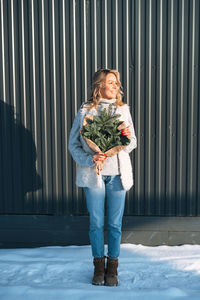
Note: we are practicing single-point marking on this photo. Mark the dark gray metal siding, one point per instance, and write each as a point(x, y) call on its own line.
point(49, 51)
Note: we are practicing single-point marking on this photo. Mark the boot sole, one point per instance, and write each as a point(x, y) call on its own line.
point(96, 283)
point(111, 284)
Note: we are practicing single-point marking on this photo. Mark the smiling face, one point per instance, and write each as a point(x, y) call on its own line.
point(110, 88)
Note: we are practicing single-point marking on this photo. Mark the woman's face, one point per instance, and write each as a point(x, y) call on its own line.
point(110, 88)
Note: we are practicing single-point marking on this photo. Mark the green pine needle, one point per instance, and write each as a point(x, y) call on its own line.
point(102, 130)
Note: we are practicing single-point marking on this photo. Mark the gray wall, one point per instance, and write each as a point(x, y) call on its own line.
point(49, 51)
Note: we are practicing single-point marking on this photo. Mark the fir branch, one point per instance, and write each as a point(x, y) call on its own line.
point(102, 130)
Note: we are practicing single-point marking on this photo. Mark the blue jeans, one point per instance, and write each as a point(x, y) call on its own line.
point(95, 199)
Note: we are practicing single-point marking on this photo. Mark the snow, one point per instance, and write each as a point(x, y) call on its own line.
point(153, 273)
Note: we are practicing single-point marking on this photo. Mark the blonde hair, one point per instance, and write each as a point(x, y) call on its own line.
point(97, 82)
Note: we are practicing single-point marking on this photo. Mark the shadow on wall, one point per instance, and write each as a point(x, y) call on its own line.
point(18, 173)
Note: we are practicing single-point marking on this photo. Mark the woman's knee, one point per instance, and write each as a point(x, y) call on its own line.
point(96, 223)
point(114, 227)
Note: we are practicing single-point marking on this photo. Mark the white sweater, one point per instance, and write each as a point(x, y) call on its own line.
point(86, 171)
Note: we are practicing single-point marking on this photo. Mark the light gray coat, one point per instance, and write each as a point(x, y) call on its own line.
point(86, 172)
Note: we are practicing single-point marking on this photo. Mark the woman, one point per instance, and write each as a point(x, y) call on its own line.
point(115, 179)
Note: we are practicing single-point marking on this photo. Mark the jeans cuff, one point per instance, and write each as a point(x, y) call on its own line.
point(112, 257)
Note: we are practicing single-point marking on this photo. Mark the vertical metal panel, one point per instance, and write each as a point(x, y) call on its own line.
point(49, 51)
point(65, 182)
point(139, 183)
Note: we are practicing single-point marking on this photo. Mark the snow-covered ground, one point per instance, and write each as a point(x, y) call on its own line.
point(49, 273)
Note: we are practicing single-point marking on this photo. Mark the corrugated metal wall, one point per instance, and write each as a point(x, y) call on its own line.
point(49, 51)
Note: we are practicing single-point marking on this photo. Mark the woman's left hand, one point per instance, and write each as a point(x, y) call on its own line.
point(126, 131)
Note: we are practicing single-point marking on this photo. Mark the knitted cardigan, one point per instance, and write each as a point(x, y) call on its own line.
point(86, 172)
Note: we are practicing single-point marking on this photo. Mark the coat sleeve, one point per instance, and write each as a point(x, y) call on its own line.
point(133, 143)
point(81, 157)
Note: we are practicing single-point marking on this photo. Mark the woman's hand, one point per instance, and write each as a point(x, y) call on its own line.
point(99, 156)
point(126, 131)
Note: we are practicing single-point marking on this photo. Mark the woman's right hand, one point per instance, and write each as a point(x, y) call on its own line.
point(99, 156)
